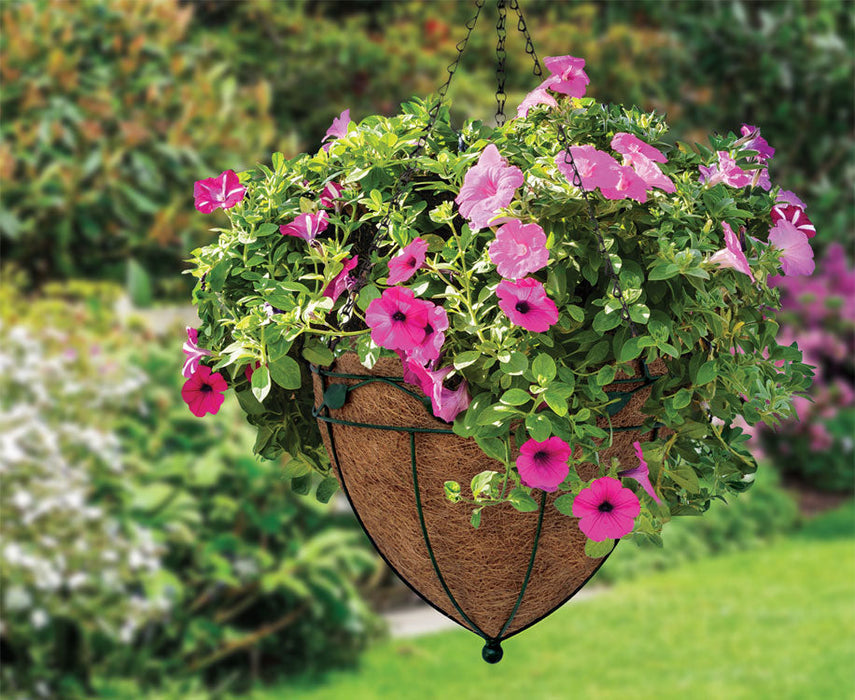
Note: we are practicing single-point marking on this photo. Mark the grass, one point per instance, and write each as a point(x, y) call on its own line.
point(772, 623)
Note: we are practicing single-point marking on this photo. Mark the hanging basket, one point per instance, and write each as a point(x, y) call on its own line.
point(391, 457)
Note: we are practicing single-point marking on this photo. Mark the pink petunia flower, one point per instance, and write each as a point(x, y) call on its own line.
point(641, 473)
point(343, 280)
point(330, 196)
point(731, 255)
point(430, 348)
point(788, 197)
point(404, 265)
point(599, 169)
point(525, 303)
point(446, 403)
point(539, 96)
point(568, 75)
point(203, 392)
point(488, 186)
point(193, 351)
point(224, 191)
point(337, 129)
point(544, 465)
point(518, 249)
point(606, 509)
point(306, 226)
point(757, 143)
point(796, 253)
point(642, 157)
point(726, 171)
point(796, 216)
point(397, 319)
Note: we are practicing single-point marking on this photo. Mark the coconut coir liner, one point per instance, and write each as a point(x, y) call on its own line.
point(483, 568)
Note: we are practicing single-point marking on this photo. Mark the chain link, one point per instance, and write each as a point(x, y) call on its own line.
point(501, 54)
point(529, 44)
point(614, 279)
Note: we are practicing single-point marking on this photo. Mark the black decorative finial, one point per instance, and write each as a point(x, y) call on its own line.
point(492, 652)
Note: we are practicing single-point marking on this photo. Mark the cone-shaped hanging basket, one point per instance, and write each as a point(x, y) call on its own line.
point(392, 457)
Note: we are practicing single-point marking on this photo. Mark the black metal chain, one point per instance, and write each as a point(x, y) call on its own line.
point(364, 265)
point(617, 289)
point(501, 54)
point(529, 44)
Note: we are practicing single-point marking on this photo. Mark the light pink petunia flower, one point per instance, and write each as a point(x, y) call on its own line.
point(397, 319)
point(446, 403)
point(544, 465)
point(539, 96)
point(726, 171)
point(796, 216)
point(518, 249)
point(194, 353)
point(731, 255)
point(404, 265)
point(641, 473)
point(599, 169)
point(789, 197)
point(306, 226)
point(525, 303)
point(430, 348)
point(642, 157)
point(337, 129)
point(203, 392)
point(488, 186)
point(330, 196)
point(224, 191)
point(757, 143)
point(606, 509)
point(796, 253)
point(343, 280)
point(568, 75)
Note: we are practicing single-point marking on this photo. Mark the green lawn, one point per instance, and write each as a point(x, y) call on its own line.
point(771, 623)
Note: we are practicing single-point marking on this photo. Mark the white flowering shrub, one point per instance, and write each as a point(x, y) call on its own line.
point(72, 574)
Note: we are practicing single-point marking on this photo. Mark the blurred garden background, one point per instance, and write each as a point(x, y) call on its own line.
point(146, 553)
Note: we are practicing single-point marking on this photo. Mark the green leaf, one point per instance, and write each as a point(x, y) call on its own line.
point(516, 364)
point(605, 321)
point(464, 359)
point(516, 397)
point(682, 398)
point(366, 295)
point(663, 271)
point(520, 499)
point(706, 373)
point(318, 354)
point(285, 372)
point(260, 383)
point(452, 491)
point(685, 476)
point(596, 550)
point(481, 482)
point(476, 518)
point(606, 375)
point(539, 427)
point(151, 496)
point(577, 313)
point(492, 447)
point(326, 489)
point(556, 400)
point(543, 368)
point(640, 313)
point(301, 484)
point(564, 504)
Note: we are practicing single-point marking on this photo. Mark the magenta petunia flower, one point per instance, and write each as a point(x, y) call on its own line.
point(641, 473)
point(337, 129)
point(224, 191)
point(599, 169)
point(193, 351)
point(726, 171)
point(568, 75)
point(249, 370)
point(306, 226)
point(606, 509)
point(330, 196)
point(757, 143)
point(796, 216)
point(539, 96)
point(430, 348)
point(397, 319)
point(488, 186)
point(642, 157)
point(446, 403)
point(525, 303)
point(404, 265)
point(796, 253)
point(544, 465)
point(731, 255)
point(203, 392)
point(788, 197)
point(343, 280)
point(518, 249)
